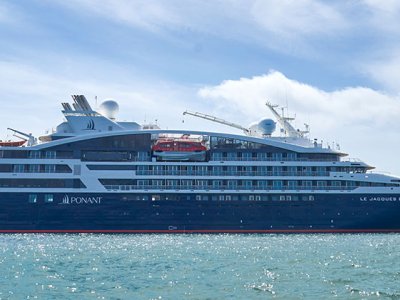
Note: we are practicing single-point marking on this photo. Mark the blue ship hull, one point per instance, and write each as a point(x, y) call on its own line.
point(117, 213)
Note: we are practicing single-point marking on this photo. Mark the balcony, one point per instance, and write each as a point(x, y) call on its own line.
point(224, 188)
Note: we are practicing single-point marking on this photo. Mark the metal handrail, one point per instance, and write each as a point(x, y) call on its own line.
point(224, 187)
point(228, 173)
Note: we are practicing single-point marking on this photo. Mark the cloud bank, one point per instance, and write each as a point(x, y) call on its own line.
point(364, 121)
point(356, 106)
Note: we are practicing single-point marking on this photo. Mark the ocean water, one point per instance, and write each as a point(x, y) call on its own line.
point(93, 266)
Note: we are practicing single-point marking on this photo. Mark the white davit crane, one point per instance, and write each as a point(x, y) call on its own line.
point(217, 120)
point(31, 139)
point(284, 122)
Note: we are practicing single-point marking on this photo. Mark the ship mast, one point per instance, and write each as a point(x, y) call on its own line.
point(217, 120)
point(284, 122)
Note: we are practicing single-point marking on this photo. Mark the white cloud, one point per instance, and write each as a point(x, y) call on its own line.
point(381, 61)
point(364, 35)
point(291, 18)
point(282, 17)
point(384, 69)
point(355, 106)
point(384, 15)
point(148, 15)
point(298, 28)
point(250, 20)
point(32, 97)
point(359, 118)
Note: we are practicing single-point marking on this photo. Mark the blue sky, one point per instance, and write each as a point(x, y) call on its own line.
point(336, 64)
point(160, 39)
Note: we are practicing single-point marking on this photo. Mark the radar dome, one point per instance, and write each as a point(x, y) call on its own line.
point(109, 108)
point(267, 126)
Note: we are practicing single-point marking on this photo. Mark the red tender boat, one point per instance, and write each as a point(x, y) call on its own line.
point(179, 149)
point(12, 143)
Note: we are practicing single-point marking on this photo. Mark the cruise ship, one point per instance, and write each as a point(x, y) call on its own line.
point(97, 174)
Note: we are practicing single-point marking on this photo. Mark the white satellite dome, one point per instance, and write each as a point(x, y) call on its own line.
point(266, 126)
point(109, 108)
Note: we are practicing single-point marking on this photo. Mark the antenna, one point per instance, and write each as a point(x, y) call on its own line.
point(289, 130)
point(80, 107)
point(67, 107)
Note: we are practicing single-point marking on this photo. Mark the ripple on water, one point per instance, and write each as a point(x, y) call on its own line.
point(199, 266)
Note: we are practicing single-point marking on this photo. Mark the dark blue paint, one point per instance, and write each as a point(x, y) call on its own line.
point(326, 213)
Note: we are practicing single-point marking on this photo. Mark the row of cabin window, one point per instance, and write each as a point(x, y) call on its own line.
point(243, 168)
point(114, 156)
point(36, 154)
point(34, 168)
point(33, 198)
point(222, 142)
point(246, 183)
point(240, 170)
point(187, 170)
point(41, 183)
point(253, 156)
point(162, 197)
point(49, 198)
point(85, 155)
point(255, 197)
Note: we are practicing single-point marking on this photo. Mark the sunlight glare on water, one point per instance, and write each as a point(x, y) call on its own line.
point(89, 266)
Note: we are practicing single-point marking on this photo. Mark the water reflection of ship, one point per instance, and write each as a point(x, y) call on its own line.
point(180, 149)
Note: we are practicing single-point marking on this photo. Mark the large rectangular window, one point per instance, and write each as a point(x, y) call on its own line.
point(186, 184)
point(277, 184)
point(216, 156)
point(217, 184)
point(143, 156)
point(50, 154)
point(291, 184)
point(32, 198)
point(232, 184)
point(18, 168)
point(34, 168)
point(247, 156)
point(49, 168)
point(34, 154)
point(262, 184)
point(48, 198)
point(105, 156)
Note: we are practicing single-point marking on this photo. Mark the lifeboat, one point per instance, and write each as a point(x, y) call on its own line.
point(12, 143)
point(178, 150)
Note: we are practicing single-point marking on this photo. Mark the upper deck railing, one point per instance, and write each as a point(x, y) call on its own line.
point(224, 188)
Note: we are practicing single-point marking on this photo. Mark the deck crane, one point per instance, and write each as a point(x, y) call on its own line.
point(264, 128)
point(217, 120)
point(31, 139)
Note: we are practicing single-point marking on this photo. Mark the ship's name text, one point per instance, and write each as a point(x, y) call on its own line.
point(380, 199)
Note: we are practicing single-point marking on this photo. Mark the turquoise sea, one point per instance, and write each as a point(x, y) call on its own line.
point(93, 266)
